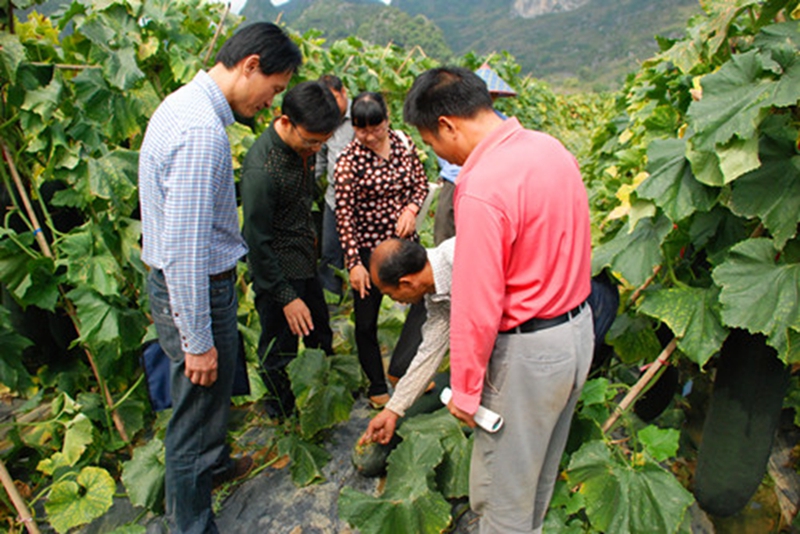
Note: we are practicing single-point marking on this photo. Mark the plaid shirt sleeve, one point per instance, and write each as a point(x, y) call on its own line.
point(191, 185)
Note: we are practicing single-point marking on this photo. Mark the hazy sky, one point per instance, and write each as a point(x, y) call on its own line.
point(236, 5)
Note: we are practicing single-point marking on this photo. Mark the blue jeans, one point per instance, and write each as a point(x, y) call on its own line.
point(195, 440)
point(331, 254)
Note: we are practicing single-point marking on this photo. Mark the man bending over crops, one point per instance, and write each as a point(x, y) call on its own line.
point(521, 332)
point(407, 272)
point(191, 241)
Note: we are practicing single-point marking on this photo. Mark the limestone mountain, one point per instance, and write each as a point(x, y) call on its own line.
point(533, 8)
point(584, 43)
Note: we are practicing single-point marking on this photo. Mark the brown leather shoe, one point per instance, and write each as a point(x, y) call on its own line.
point(241, 468)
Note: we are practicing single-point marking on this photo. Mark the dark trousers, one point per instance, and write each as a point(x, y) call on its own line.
point(409, 341)
point(369, 349)
point(277, 346)
point(444, 223)
point(331, 254)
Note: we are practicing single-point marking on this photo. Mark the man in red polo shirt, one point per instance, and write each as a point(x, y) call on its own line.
point(521, 333)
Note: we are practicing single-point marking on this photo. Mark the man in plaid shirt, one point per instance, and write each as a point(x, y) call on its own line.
point(191, 241)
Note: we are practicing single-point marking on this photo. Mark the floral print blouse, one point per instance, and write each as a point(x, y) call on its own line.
point(372, 192)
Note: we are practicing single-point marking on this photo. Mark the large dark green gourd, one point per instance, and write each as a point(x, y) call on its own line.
point(370, 459)
point(740, 425)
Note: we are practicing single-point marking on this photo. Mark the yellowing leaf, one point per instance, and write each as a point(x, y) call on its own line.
point(73, 503)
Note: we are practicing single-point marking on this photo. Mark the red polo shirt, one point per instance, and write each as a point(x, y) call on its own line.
point(523, 246)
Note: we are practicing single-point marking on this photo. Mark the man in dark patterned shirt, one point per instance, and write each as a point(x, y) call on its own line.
point(277, 191)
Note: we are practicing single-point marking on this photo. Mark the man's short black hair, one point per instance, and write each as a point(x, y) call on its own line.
point(277, 53)
point(368, 109)
point(312, 106)
point(331, 81)
point(445, 92)
point(408, 257)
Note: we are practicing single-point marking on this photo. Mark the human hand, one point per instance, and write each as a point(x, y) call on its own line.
point(406, 223)
point(299, 317)
point(380, 428)
point(359, 280)
point(461, 415)
point(201, 369)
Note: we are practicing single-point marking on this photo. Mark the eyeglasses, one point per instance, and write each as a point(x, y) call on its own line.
point(308, 143)
point(376, 130)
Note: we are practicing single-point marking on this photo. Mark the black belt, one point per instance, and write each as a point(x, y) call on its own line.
point(230, 273)
point(532, 325)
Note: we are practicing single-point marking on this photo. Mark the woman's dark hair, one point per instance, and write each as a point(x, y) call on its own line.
point(368, 109)
point(312, 106)
point(276, 52)
point(407, 257)
point(445, 92)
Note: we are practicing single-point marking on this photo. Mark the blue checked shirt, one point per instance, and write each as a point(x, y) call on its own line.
point(190, 226)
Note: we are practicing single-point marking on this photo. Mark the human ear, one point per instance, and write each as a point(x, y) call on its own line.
point(251, 64)
point(447, 126)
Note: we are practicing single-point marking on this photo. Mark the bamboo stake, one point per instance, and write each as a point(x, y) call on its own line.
point(640, 289)
point(37, 230)
point(217, 33)
point(19, 503)
point(40, 239)
point(641, 384)
point(64, 66)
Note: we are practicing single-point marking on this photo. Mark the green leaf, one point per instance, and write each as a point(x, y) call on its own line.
point(622, 498)
point(100, 320)
point(72, 503)
point(12, 54)
point(706, 166)
point(307, 459)
point(671, 184)
point(114, 177)
point(721, 14)
point(90, 263)
point(660, 444)
point(772, 192)
point(122, 70)
point(760, 292)
point(453, 473)
point(76, 438)
point(736, 99)
point(634, 254)
point(44, 101)
point(143, 475)
point(408, 503)
point(633, 339)
point(322, 387)
point(13, 373)
point(595, 391)
point(693, 316)
point(737, 157)
point(13, 258)
point(40, 288)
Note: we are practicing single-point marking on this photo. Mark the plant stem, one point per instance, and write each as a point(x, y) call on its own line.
point(19, 503)
point(129, 392)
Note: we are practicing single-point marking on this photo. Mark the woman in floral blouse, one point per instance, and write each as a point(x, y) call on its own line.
point(380, 185)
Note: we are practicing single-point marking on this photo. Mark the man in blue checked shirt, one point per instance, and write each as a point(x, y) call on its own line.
point(191, 241)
